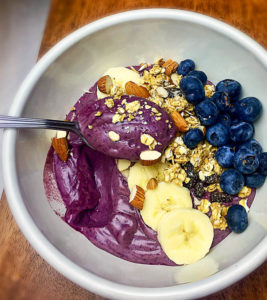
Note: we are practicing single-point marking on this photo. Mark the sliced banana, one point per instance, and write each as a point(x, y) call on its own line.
point(185, 235)
point(166, 197)
point(140, 175)
point(120, 76)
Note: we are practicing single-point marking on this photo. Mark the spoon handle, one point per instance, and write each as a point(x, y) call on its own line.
point(17, 122)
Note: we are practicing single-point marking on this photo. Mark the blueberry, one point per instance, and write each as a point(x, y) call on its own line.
point(207, 112)
point(241, 132)
point(235, 121)
point(193, 137)
point(193, 89)
point(252, 145)
point(255, 180)
point(199, 75)
point(224, 119)
point(248, 109)
point(231, 87)
point(263, 163)
point(231, 181)
point(245, 161)
point(232, 112)
point(185, 67)
point(222, 101)
point(217, 135)
point(237, 218)
point(225, 156)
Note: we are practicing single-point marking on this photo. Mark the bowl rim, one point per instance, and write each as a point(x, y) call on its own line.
point(38, 240)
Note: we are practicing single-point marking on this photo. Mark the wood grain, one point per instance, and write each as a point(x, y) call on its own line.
point(23, 273)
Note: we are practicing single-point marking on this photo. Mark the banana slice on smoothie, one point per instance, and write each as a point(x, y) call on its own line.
point(185, 235)
point(166, 197)
point(119, 76)
point(140, 175)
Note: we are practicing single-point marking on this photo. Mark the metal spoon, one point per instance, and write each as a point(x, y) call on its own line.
point(16, 122)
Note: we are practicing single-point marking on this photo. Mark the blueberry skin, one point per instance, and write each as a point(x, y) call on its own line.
point(193, 137)
point(248, 109)
point(232, 181)
point(237, 218)
point(232, 112)
point(199, 75)
point(224, 119)
point(245, 161)
point(193, 89)
point(263, 163)
point(255, 180)
point(217, 135)
point(225, 156)
point(235, 121)
point(231, 87)
point(222, 101)
point(252, 145)
point(185, 67)
point(241, 132)
point(207, 112)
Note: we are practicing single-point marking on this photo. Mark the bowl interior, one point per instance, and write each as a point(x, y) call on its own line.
point(75, 71)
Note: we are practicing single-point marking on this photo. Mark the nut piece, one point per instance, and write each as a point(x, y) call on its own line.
point(105, 84)
point(61, 147)
point(152, 184)
point(176, 79)
point(113, 136)
point(162, 92)
point(149, 157)
point(161, 62)
point(136, 90)
point(137, 197)
point(179, 121)
point(170, 67)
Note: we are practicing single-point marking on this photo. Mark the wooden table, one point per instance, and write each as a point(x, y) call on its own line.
point(23, 273)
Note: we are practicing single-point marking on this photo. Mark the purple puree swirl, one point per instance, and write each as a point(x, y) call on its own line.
point(94, 200)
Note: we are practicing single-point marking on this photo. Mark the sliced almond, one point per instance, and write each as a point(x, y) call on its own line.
point(149, 157)
point(170, 66)
point(162, 92)
point(61, 147)
point(136, 90)
point(137, 197)
point(179, 121)
point(105, 84)
point(152, 184)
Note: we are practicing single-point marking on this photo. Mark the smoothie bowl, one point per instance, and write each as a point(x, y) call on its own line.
point(189, 160)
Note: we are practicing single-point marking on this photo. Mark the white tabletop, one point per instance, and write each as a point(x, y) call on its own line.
point(21, 27)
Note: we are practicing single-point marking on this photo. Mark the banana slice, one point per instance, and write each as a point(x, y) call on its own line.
point(140, 175)
point(120, 76)
point(185, 235)
point(166, 197)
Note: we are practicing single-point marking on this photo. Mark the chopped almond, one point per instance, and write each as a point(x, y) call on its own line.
point(179, 121)
point(136, 90)
point(152, 184)
point(149, 157)
point(61, 147)
point(170, 67)
point(105, 84)
point(137, 197)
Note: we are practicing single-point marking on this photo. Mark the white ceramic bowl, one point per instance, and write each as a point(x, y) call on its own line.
point(52, 87)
